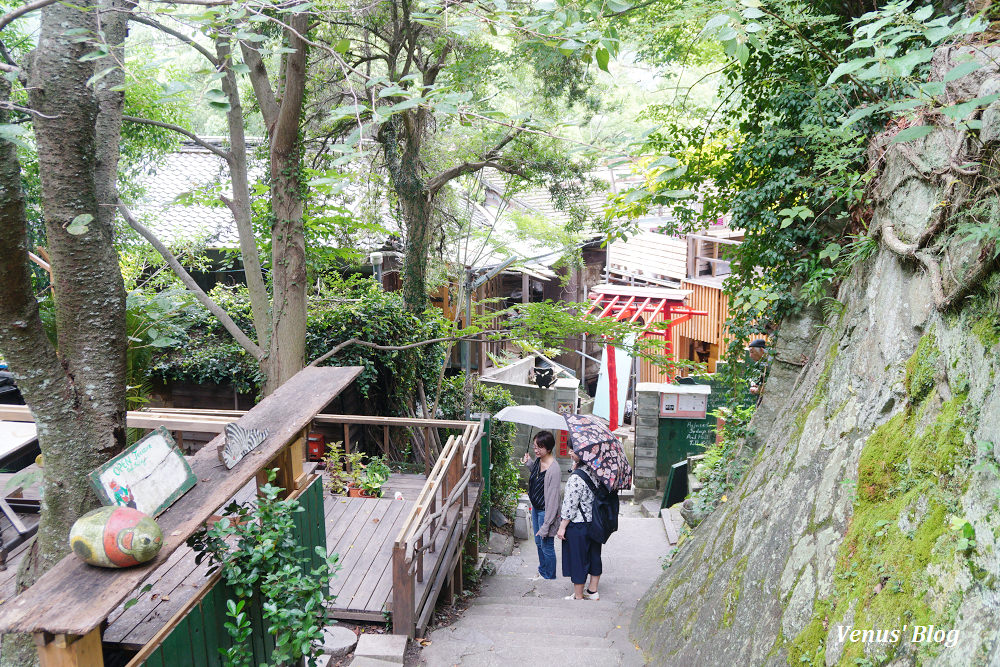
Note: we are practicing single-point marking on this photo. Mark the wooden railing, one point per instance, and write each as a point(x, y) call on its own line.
point(441, 518)
point(66, 608)
point(179, 420)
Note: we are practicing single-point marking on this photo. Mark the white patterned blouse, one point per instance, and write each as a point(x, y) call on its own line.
point(578, 500)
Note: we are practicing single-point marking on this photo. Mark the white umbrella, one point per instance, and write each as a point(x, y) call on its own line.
point(532, 415)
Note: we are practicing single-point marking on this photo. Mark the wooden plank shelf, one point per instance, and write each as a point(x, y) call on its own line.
point(74, 598)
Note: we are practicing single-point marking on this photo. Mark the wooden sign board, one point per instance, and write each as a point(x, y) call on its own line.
point(148, 476)
point(562, 437)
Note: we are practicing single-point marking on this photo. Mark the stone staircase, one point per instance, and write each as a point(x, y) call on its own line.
point(520, 622)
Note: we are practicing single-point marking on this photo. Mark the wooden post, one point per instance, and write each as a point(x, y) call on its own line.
point(347, 439)
point(403, 595)
point(289, 463)
point(473, 543)
point(70, 650)
point(427, 452)
point(385, 440)
point(420, 558)
point(456, 579)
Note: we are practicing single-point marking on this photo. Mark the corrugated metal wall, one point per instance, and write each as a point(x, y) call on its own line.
point(709, 329)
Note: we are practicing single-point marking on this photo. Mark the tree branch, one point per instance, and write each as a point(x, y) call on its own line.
point(357, 341)
point(12, 16)
point(138, 18)
point(261, 86)
point(438, 182)
point(224, 154)
point(189, 282)
point(286, 129)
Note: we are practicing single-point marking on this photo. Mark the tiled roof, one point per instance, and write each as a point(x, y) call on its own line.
point(166, 208)
point(181, 201)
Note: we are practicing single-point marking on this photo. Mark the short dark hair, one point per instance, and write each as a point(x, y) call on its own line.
point(759, 342)
point(545, 439)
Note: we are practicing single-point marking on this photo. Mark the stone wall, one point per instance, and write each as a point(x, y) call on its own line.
point(872, 497)
point(647, 429)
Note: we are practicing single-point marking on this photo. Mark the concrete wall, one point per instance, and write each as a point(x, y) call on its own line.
point(564, 390)
point(517, 373)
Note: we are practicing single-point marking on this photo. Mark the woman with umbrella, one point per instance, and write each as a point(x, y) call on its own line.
point(543, 491)
point(599, 455)
point(581, 556)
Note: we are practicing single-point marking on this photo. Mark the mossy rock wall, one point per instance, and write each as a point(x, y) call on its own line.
point(873, 500)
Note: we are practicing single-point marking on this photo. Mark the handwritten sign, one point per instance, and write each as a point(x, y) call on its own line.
point(148, 476)
point(239, 442)
point(688, 406)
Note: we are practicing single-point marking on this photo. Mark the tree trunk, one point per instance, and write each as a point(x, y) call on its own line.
point(415, 202)
point(240, 204)
point(287, 350)
point(77, 394)
point(417, 214)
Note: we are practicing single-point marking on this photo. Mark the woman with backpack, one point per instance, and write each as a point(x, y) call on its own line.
point(581, 556)
point(543, 491)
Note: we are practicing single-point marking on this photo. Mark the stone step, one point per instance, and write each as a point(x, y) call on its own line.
point(467, 636)
point(527, 604)
point(561, 624)
point(481, 656)
point(568, 609)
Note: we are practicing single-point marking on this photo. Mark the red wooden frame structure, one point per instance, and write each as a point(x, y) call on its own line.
point(653, 305)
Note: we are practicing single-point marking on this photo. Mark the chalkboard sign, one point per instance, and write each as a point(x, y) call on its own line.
point(148, 476)
point(680, 438)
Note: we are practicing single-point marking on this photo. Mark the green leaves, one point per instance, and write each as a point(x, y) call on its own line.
point(13, 134)
point(78, 225)
point(962, 69)
point(849, 67)
point(217, 99)
point(790, 215)
point(912, 133)
point(603, 58)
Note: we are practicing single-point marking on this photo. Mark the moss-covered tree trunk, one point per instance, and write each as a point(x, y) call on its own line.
point(76, 389)
point(287, 351)
point(401, 140)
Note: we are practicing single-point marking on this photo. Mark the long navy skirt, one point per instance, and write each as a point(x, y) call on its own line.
point(580, 555)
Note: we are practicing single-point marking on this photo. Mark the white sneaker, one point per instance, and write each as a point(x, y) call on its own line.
point(587, 595)
point(537, 577)
point(571, 596)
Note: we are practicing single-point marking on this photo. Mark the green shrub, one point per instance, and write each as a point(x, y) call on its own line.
point(354, 308)
point(504, 474)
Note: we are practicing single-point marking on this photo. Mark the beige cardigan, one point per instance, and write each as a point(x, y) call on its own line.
point(553, 480)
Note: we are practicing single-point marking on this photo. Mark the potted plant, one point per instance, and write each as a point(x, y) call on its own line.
point(343, 471)
point(373, 476)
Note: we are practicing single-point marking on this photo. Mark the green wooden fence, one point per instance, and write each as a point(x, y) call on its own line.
point(196, 641)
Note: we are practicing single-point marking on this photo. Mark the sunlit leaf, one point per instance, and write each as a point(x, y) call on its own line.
point(912, 133)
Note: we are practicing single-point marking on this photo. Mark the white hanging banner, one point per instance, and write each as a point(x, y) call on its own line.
point(623, 371)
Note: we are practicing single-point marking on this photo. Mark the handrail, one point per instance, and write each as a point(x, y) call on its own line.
point(448, 484)
point(430, 488)
point(422, 518)
point(428, 523)
point(425, 492)
point(714, 239)
point(219, 418)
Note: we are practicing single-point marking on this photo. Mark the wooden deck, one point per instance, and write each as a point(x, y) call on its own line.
point(360, 530)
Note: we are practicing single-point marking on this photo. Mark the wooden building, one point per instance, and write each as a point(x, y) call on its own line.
point(696, 263)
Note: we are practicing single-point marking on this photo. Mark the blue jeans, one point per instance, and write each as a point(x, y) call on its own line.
point(546, 546)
